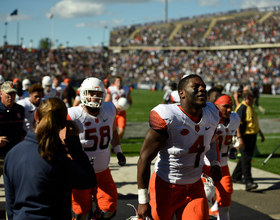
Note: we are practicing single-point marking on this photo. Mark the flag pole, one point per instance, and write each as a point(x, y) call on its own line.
point(52, 43)
point(17, 27)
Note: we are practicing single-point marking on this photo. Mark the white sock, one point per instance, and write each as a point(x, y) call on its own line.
point(214, 207)
point(223, 213)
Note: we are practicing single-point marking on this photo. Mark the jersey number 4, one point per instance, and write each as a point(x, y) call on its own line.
point(197, 147)
point(104, 135)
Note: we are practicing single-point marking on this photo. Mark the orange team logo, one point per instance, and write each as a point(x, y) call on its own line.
point(197, 128)
point(96, 120)
point(219, 132)
point(88, 123)
point(12, 85)
point(184, 132)
point(227, 130)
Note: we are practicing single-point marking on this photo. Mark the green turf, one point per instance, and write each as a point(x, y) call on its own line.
point(145, 100)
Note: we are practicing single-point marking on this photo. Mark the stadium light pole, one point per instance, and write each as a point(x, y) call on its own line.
point(31, 43)
point(89, 38)
point(105, 27)
point(6, 36)
point(165, 11)
point(4, 39)
point(21, 41)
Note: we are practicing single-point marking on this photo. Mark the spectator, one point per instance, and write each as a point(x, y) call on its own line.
point(247, 136)
point(96, 121)
point(175, 185)
point(31, 104)
point(114, 93)
point(39, 175)
point(11, 119)
point(69, 93)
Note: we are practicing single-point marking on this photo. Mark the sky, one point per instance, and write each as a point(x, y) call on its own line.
point(89, 22)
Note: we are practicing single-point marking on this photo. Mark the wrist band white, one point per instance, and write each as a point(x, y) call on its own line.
point(215, 163)
point(143, 196)
point(118, 149)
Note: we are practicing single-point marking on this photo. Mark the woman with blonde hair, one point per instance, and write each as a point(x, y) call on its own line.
point(38, 172)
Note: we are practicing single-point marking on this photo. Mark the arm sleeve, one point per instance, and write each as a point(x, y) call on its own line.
point(77, 173)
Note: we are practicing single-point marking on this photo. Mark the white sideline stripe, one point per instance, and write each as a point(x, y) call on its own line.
point(270, 137)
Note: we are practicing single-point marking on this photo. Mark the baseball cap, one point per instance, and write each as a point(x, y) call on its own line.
point(105, 80)
point(67, 80)
point(16, 80)
point(8, 87)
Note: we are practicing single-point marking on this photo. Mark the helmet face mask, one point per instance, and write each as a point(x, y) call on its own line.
point(95, 85)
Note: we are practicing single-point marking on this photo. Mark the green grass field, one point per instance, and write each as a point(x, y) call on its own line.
point(144, 101)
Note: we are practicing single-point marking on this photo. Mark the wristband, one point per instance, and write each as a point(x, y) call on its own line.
point(143, 196)
point(118, 149)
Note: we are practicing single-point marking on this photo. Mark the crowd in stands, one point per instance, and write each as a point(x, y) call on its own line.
point(241, 66)
point(234, 30)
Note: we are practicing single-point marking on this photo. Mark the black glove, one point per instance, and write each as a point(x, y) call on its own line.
point(121, 159)
point(232, 154)
point(216, 173)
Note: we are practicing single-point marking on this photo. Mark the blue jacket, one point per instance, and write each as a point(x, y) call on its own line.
point(11, 125)
point(40, 189)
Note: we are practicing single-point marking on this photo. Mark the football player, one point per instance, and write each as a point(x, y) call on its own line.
point(180, 135)
point(113, 94)
point(31, 104)
point(225, 131)
point(49, 92)
point(95, 119)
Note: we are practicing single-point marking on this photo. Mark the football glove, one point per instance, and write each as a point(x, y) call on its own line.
point(232, 154)
point(121, 159)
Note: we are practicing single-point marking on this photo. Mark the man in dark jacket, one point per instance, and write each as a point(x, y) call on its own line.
point(11, 120)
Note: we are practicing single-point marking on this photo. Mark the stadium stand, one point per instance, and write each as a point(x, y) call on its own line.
point(237, 46)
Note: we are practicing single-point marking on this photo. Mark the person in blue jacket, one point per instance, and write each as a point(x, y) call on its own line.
point(41, 171)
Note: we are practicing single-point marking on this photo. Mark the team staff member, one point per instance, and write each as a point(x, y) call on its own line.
point(39, 175)
point(247, 137)
point(181, 135)
point(113, 94)
point(225, 131)
point(11, 120)
point(30, 104)
point(95, 119)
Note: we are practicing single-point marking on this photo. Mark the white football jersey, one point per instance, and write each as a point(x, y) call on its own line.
point(50, 94)
point(174, 97)
point(224, 137)
point(180, 159)
point(59, 90)
point(96, 133)
point(29, 113)
point(117, 93)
